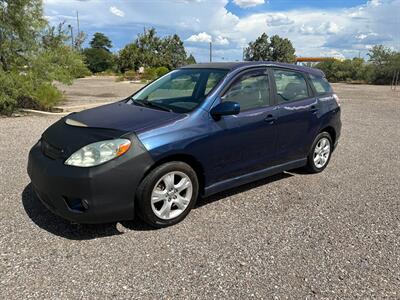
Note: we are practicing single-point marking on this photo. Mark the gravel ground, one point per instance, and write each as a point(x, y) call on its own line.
point(331, 235)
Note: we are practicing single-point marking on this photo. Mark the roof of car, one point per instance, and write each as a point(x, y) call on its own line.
point(235, 65)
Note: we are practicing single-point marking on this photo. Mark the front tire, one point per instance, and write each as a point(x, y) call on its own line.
point(167, 194)
point(320, 153)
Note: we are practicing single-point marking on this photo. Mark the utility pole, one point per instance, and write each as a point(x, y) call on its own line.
point(210, 51)
point(77, 23)
point(72, 35)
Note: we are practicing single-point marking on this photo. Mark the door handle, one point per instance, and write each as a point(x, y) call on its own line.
point(270, 119)
point(314, 108)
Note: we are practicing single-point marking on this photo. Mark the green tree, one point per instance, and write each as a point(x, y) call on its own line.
point(149, 48)
point(21, 22)
point(54, 36)
point(274, 49)
point(98, 60)
point(379, 55)
point(98, 57)
point(173, 52)
point(190, 60)
point(258, 50)
point(385, 62)
point(282, 50)
point(32, 56)
point(128, 58)
point(150, 51)
point(101, 41)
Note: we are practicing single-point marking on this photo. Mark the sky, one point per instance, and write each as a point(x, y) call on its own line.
point(333, 28)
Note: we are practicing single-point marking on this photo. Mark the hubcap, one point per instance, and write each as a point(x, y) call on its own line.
point(321, 152)
point(171, 195)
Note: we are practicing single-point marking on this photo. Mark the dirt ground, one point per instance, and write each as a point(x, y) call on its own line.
point(96, 89)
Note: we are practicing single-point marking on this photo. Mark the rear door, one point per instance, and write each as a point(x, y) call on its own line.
point(297, 119)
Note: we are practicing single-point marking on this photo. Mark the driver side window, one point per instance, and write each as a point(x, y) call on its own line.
point(251, 90)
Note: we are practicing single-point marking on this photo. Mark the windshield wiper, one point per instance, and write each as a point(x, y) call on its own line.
point(147, 103)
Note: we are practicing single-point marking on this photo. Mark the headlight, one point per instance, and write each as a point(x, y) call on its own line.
point(98, 153)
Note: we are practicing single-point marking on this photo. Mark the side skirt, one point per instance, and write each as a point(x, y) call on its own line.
point(250, 177)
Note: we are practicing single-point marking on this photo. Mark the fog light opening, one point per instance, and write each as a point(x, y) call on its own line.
point(77, 204)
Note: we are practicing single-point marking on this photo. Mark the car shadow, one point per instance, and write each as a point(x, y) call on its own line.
point(56, 225)
point(240, 189)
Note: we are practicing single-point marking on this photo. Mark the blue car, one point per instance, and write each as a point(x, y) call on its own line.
point(195, 131)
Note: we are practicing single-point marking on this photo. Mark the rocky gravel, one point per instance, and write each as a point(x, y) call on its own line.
point(330, 235)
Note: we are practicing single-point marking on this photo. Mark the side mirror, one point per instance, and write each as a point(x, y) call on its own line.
point(225, 109)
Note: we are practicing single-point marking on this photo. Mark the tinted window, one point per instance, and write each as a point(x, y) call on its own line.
point(180, 86)
point(290, 86)
point(320, 84)
point(180, 90)
point(213, 79)
point(251, 90)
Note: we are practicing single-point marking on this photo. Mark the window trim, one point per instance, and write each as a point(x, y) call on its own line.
point(304, 75)
point(265, 69)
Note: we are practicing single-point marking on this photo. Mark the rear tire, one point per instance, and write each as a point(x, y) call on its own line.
point(320, 153)
point(167, 194)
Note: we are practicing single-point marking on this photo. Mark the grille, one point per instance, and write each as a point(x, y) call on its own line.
point(51, 151)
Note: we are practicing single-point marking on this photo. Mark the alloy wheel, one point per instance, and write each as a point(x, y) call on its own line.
point(322, 151)
point(171, 195)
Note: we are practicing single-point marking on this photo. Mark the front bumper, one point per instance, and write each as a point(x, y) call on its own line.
point(107, 191)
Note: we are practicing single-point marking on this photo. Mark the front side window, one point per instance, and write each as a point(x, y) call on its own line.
point(320, 84)
point(251, 90)
point(180, 90)
point(290, 86)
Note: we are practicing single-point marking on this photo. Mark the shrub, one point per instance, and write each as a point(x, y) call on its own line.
point(11, 86)
point(47, 96)
point(154, 73)
point(130, 75)
point(160, 71)
point(7, 104)
point(107, 72)
point(25, 90)
point(149, 74)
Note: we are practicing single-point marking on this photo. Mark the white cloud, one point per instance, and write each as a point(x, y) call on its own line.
point(220, 40)
point(248, 3)
point(202, 37)
point(375, 3)
point(325, 28)
point(115, 11)
point(278, 19)
point(313, 31)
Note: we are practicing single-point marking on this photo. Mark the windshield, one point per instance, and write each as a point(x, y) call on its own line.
point(180, 90)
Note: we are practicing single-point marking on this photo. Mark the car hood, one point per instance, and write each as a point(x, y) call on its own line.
point(123, 117)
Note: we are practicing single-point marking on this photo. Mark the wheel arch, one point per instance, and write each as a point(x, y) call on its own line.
point(331, 131)
point(186, 158)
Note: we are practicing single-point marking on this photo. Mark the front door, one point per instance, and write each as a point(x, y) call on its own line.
point(246, 142)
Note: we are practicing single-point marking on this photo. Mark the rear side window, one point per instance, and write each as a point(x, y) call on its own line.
point(290, 86)
point(320, 84)
point(250, 90)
